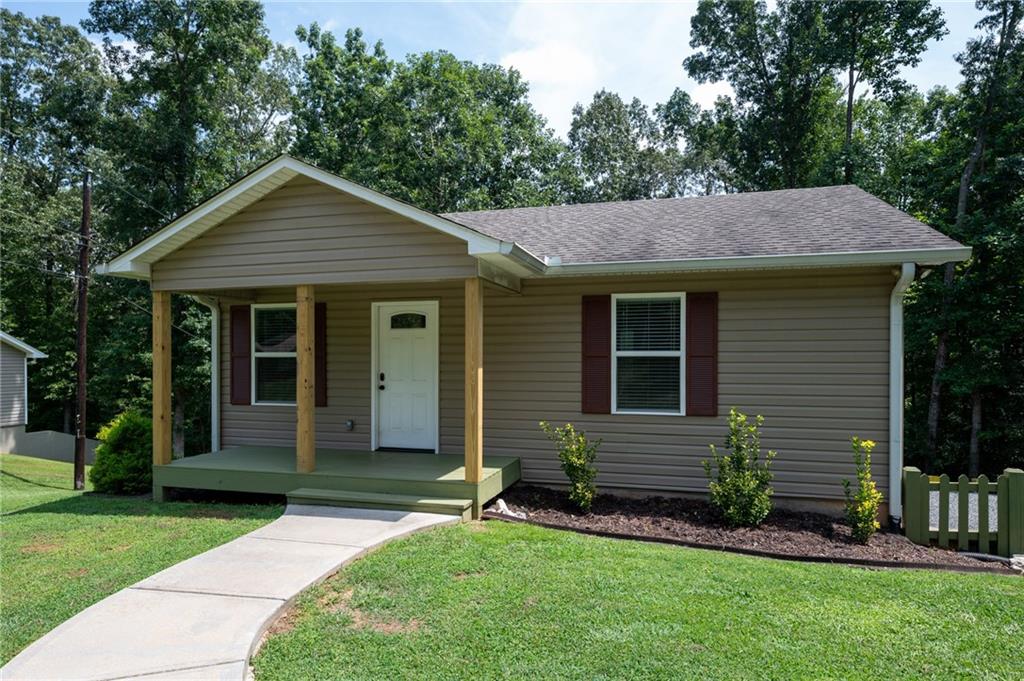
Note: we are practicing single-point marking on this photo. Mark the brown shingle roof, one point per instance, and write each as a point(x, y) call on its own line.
point(786, 222)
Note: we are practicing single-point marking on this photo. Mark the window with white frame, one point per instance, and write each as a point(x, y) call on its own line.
point(273, 354)
point(648, 353)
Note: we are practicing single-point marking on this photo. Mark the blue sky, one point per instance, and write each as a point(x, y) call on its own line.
point(567, 50)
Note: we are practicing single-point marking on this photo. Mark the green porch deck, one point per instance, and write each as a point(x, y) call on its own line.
point(364, 476)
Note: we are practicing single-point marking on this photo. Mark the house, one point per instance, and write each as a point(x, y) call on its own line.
point(14, 358)
point(372, 353)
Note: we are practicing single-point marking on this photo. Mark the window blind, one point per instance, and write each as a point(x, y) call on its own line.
point(275, 330)
point(648, 353)
point(647, 324)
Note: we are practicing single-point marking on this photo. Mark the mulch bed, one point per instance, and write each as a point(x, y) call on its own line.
point(784, 534)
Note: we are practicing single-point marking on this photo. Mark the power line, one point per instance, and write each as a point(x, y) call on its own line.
point(121, 187)
point(69, 275)
point(75, 277)
point(106, 181)
point(94, 237)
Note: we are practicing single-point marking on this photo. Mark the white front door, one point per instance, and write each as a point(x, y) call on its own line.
point(405, 376)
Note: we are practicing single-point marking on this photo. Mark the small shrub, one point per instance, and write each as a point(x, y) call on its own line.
point(577, 455)
point(740, 489)
point(862, 504)
point(124, 457)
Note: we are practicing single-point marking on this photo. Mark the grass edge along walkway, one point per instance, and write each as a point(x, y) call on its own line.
point(501, 600)
point(61, 550)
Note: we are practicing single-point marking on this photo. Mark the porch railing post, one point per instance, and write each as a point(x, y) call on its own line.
point(474, 413)
point(161, 378)
point(305, 357)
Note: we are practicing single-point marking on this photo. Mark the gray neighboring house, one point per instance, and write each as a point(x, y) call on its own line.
point(362, 345)
point(15, 356)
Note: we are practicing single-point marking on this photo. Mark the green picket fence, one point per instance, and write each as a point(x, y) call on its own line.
point(1005, 539)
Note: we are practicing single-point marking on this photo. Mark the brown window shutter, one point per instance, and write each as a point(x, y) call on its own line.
point(702, 354)
point(596, 379)
point(320, 354)
point(241, 363)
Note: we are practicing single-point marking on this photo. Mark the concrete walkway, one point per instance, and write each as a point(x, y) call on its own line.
point(200, 619)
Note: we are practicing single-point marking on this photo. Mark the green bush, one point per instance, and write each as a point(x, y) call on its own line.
point(862, 504)
point(124, 457)
point(577, 455)
point(741, 489)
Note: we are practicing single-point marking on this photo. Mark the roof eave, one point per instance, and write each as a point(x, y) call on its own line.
point(128, 269)
point(925, 257)
point(28, 350)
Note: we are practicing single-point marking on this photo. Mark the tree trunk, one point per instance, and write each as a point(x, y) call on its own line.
point(851, 84)
point(968, 174)
point(178, 425)
point(48, 288)
point(974, 454)
point(848, 150)
point(941, 358)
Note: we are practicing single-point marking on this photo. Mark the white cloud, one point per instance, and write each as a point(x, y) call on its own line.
point(568, 51)
point(554, 91)
point(705, 94)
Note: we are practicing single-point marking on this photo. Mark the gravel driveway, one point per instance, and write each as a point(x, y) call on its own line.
point(954, 511)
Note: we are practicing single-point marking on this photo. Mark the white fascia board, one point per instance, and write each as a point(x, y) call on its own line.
point(30, 352)
point(935, 256)
point(129, 269)
point(135, 261)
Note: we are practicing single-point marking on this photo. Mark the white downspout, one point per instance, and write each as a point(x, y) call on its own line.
point(214, 306)
point(896, 390)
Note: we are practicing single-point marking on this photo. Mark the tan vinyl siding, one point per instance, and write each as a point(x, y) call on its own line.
point(307, 233)
point(13, 410)
point(808, 350)
point(348, 370)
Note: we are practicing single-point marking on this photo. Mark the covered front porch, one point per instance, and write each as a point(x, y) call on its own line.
point(318, 468)
point(398, 480)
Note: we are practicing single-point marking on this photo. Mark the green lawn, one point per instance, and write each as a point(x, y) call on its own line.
point(495, 600)
point(61, 551)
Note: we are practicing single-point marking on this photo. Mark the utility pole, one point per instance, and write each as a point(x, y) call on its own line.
point(83, 324)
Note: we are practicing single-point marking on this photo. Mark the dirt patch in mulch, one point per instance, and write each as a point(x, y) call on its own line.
point(800, 535)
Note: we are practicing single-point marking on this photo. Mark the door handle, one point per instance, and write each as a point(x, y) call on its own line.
point(380, 387)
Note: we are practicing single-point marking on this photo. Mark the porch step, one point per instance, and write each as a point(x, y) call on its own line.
point(395, 502)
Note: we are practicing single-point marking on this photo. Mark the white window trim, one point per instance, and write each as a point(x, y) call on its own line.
point(681, 354)
point(253, 354)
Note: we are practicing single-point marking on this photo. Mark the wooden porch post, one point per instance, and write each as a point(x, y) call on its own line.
point(305, 400)
point(474, 414)
point(161, 378)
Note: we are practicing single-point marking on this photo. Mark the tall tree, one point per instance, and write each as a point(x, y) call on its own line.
point(709, 141)
point(620, 152)
point(173, 61)
point(195, 104)
point(871, 41)
point(990, 66)
point(53, 92)
point(441, 133)
point(777, 64)
point(339, 102)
